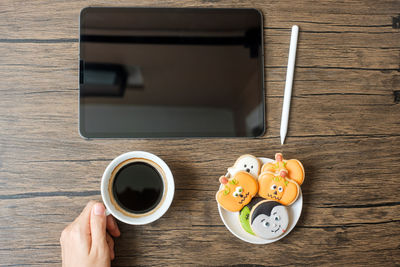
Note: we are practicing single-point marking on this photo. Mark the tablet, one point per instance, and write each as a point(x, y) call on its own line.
point(171, 72)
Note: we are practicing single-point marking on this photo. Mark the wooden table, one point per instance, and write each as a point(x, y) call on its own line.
point(344, 126)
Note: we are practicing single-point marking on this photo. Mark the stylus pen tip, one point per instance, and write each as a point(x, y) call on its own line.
point(282, 139)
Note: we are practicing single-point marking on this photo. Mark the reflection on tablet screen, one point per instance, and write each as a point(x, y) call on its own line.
point(170, 72)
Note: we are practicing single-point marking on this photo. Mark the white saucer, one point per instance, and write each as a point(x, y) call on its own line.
point(231, 219)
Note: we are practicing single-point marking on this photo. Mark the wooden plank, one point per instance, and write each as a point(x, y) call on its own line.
point(310, 82)
point(337, 50)
point(58, 21)
point(333, 164)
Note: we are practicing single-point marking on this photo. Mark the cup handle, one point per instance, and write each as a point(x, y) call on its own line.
point(108, 212)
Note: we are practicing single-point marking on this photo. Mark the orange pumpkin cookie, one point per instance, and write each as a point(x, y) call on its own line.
point(237, 191)
point(293, 166)
point(276, 187)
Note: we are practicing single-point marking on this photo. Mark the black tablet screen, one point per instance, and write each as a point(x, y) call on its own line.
point(171, 72)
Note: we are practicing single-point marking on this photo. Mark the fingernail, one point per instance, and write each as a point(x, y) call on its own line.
point(99, 209)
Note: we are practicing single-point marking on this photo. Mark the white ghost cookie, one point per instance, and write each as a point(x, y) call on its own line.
point(247, 163)
point(269, 219)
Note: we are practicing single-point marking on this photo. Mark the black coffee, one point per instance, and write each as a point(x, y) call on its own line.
point(138, 187)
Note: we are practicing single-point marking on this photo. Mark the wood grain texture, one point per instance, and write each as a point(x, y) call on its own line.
point(344, 127)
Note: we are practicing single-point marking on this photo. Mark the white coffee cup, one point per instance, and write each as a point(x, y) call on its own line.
point(168, 188)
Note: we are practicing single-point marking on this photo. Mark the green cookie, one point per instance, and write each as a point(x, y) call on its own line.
point(244, 214)
point(244, 217)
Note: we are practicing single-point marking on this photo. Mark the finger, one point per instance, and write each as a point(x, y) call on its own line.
point(86, 210)
point(79, 229)
point(83, 219)
point(98, 226)
point(112, 226)
point(110, 243)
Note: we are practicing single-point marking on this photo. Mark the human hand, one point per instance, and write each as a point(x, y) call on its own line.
point(87, 241)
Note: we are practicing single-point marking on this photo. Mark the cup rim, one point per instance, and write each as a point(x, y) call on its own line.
point(147, 218)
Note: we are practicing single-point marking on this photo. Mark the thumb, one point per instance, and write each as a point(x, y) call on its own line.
point(98, 225)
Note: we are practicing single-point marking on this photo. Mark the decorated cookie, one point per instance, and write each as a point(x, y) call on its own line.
point(293, 166)
point(244, 214)
point(236, 191)
point(247, 163)
point(275, 186)
point(269, 219)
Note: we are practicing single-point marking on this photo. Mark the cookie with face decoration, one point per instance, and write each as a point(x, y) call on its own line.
point(237, 191)
point(276, 187)
point(247, 163)
point(244, 214)
point(269, 219)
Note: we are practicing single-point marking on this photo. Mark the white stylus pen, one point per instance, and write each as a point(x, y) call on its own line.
point(289, 82)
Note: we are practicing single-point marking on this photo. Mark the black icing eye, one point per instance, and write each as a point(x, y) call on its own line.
point(273, 187)
point(251, 166)
point(245, 165)
point(280, 189)
point(277, 218)
point(266, 224)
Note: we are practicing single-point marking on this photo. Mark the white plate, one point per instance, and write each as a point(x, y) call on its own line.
point(232, 222)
